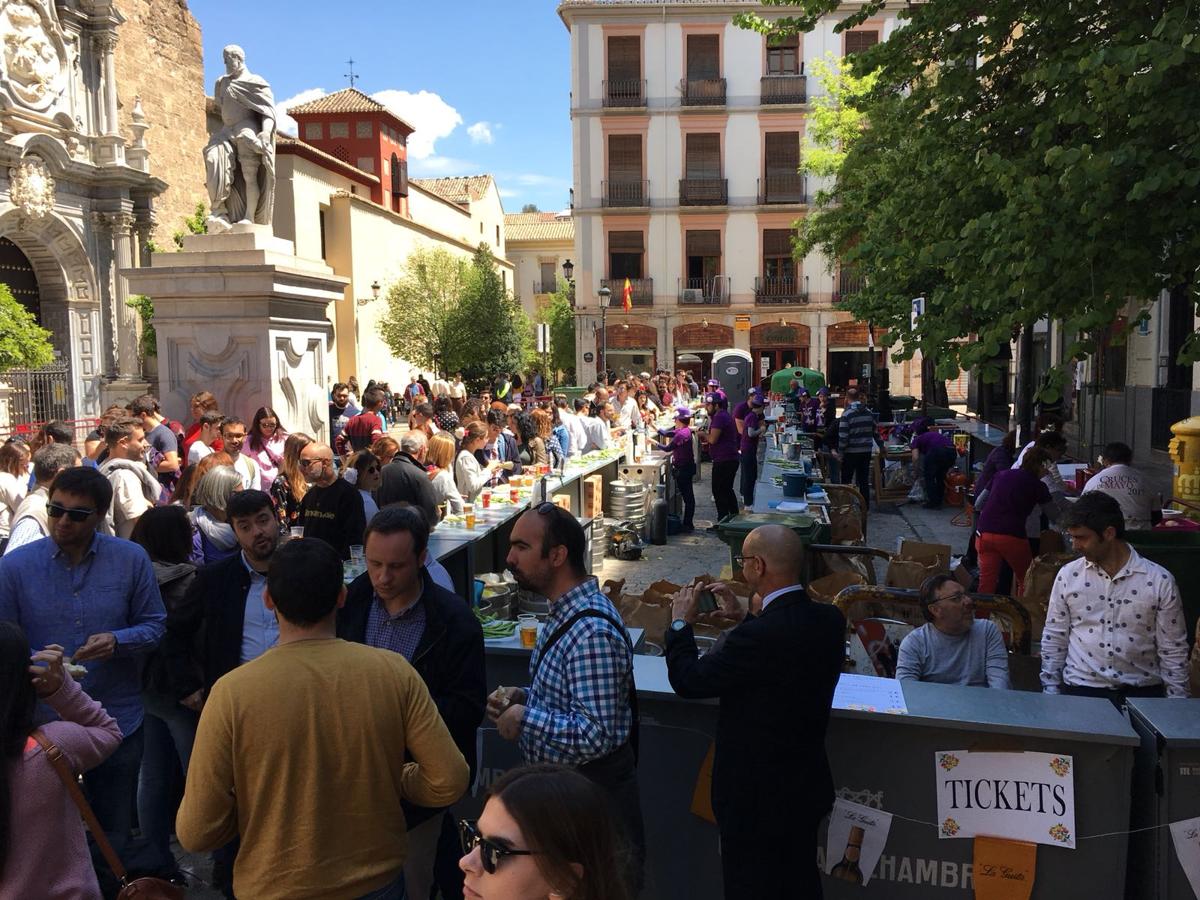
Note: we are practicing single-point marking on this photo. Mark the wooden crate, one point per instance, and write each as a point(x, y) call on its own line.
point(593, 496)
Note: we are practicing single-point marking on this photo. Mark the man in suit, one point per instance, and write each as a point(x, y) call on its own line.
point(222, 622)
point(775, 674)
point(396, 606)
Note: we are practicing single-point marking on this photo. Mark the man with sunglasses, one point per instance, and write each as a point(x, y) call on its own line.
point(953, 647)
point(775, 674)
point(97, 597)
point(332, 509)
point(580, 709)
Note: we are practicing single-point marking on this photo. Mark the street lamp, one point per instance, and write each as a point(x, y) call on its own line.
point(568, 269)
point(363, 301)
point(605, 295)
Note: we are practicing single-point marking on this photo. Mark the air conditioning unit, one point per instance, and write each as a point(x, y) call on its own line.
point(693, 295)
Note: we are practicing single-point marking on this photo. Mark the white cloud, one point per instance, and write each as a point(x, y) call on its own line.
point(431, 116)
point(443, 165)
point(480, 133)
point(506, 194)
point(286, 123)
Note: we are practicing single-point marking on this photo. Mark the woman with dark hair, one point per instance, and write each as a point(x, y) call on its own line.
point(1002, 511)
point(545, 832)
point(43, 847)
point(444, 414)
point(264, 445)
point(169, 726)
point(532, 449)
point(543, 422)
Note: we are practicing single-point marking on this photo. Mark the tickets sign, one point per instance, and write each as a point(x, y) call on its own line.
point(1022, 796)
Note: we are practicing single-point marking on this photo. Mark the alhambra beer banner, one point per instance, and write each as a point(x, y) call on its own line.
point(1022, 796)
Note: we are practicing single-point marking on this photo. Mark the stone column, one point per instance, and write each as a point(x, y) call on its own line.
point(126, 319)
point(110, 147)
point(106, 282)
point(143, 227)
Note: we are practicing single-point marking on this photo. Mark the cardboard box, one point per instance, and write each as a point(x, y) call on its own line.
point(938, 554)
point(593, 497)
point(562, 500)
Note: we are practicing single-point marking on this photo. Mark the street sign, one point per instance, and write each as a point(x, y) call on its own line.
point(741, 323)
point(588, 357)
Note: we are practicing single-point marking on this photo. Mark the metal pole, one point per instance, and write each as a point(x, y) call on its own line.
point(603, 343)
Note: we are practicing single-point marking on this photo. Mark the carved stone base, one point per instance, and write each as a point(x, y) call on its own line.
point(121, 390)
point(239, 314)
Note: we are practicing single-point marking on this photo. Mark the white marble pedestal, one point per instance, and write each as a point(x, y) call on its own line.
point(239, 314)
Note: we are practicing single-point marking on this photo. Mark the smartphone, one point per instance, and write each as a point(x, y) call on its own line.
point(706, 601)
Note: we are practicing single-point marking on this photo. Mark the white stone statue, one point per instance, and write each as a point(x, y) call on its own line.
point(239, 160)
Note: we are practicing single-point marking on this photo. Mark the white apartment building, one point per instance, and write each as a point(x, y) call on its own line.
point(538, 245)
point(687, 134)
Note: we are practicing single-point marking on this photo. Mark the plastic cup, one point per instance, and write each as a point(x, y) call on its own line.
point(296, 532)
point(485, 499)
point(527, 626)
point(469, 512)
point(514, 493)
point(357, 552)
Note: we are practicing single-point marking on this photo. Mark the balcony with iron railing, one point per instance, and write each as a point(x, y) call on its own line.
point(712, 291)
point(778, 290)
point(783, 89)
point(782, 189)
point(703, 191)
point(849, 283)
point(702, 91)
point(624, 92)
point(642, 293)
point(624, 192)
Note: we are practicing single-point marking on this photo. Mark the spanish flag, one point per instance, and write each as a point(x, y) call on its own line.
point(627, 296)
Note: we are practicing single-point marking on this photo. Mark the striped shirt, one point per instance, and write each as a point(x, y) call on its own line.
point(856, 429)
point(577, 706)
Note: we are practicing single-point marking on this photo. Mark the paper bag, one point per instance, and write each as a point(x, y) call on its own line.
point(910, 573)
point(1004, 869)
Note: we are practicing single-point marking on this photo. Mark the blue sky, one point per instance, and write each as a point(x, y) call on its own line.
point(487, 90)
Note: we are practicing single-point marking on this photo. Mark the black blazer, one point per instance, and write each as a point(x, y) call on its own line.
point(774, 674)
point(449, 658)
point(405, 480)
point(204, 631)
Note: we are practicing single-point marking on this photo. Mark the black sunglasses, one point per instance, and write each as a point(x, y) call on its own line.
point(490, 853)
point(57, 511)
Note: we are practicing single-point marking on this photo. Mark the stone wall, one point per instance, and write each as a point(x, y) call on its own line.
point(160, 58)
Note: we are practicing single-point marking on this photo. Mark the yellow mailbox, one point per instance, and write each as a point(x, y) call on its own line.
point(1185, 454)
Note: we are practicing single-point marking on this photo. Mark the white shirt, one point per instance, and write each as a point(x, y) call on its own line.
point(1124, 484)
point(779, 593)
point(458, 390)
point(446, 491)
point(469, 476)
point(596, 434)
point(628, 411)
point(1126, 631)
point(198, 451)
point(575, 431)
point(245, 467)
point(12, 492)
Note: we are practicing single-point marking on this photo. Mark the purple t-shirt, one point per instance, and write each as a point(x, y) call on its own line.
point(1012, 496)
point(681, 447)
point(726, 447)
point(931, 440)
point(750, 444)
point(739, 411)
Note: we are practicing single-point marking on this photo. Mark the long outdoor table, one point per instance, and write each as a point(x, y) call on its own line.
point(879, 759)
point(467, 552)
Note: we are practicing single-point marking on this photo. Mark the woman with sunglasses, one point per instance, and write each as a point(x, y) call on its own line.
point(264, 445)
point(545, 833)
point(363, 471)
point(289, 486)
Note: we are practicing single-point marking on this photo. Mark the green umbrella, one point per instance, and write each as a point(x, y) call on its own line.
point(810, 379)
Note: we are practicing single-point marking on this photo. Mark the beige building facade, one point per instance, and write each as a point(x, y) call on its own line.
point(687, 134)
point(538, 245)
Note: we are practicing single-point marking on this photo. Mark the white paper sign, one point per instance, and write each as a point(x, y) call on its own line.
point(1022, 796)
point(864, 692)
point(874, 825)
point(1186, 837)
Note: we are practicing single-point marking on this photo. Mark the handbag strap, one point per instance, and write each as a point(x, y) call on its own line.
point(61, 766)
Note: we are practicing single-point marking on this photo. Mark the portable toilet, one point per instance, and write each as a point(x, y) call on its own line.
point(735, 370)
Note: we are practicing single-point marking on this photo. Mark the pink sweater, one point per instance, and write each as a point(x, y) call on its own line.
point(49, 857)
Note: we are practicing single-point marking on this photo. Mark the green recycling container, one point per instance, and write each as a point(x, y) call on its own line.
point(733, 530)
point(1179, 553)
point(571, 392)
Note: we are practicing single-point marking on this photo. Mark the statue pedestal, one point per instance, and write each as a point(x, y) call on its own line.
point(239, 314)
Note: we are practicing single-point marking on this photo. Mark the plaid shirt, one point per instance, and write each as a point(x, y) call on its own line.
point(577, 708)
point(400, 633)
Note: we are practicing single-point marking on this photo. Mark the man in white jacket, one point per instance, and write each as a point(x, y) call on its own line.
point(135, 487)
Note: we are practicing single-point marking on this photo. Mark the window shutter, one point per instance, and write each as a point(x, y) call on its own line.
point(403, 178)
point(625, 157)
point(395, 174)
point(626, 242)
point(624, 58)
point(703, 156)
point(858, 41)
point(783, 152)
point(703, 56)
point(777, 242)
point(703, 243)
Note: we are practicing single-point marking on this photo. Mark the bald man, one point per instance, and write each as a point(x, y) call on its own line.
point(332, 509)
point(774, 674)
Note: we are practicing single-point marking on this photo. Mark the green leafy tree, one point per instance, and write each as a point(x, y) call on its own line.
point(530, 208)
point(559, 314)
point(491, 332)
point(1029, 163)
point(23, 343)
point(423, 309)
point(835, 121)
point(148, 344)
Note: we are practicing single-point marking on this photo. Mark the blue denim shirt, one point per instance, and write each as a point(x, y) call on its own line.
point(113, 589)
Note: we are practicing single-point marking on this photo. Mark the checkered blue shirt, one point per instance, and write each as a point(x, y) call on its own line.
point(577, 706)
point(401, 633)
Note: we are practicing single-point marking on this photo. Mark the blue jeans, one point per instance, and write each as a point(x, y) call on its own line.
point(170, 731)
point(110, 788)
point(393, 891)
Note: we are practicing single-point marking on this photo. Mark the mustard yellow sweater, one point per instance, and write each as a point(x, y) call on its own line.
point(306, 752)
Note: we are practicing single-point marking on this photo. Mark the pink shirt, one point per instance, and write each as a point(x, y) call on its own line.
point(48, 857)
